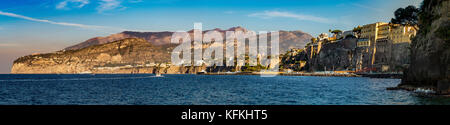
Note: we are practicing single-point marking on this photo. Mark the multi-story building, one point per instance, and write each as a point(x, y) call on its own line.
point(401, 34)
point(395, 32)
point(379, 47)
point(383, 31)
point(379, 40)
point(363, 42)
point(371, 31)
point(385, 45)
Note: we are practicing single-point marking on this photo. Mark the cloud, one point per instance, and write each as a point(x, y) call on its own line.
point(106, 5)
point(367, 7)
point(73, 3)
point(303, 17)
point(94, 27)
point(102, 5)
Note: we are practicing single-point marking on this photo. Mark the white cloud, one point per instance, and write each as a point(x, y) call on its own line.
point(94, 27)
point(66, 4)
point(103, 5)
point(272, 14)
point(106, 5)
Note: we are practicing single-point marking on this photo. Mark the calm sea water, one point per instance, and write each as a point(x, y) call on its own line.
point(143, 89)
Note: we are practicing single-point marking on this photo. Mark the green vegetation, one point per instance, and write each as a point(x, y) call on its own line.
point(257, 68)
point(406, 16)
point(426, 16)
point(357, 30)
point(336, 31)
point(349, 36)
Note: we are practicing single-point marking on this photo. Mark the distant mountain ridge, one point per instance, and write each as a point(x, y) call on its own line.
point(288, 39)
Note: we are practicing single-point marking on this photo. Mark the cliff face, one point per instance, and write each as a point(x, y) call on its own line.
point(340, 55)
point(430, 52)
point(123, 56)
point(335, 56)
point(288, 39)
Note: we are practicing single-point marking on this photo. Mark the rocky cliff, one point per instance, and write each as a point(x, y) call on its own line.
point(430, 52)
point(129, 55)
point(335, 56)
point(338, 55)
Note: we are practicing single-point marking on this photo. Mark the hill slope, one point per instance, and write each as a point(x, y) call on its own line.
point(288, 39)
point(122, 56)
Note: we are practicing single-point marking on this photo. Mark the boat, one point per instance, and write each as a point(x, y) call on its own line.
point(158, 75)
point(85, 72)
point(201, 72)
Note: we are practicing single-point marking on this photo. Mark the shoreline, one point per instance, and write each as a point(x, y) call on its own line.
point(321, 74)
point(284, 74)
point(369, 75)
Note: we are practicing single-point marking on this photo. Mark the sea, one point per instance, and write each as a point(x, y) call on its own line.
point(171, 89)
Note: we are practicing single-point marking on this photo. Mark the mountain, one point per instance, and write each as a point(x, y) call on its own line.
point(288, 39)
point(293, 40)
point(130, 55)
point(128, 52)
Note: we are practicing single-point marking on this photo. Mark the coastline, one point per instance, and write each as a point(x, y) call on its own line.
point(320, 74)
point(282, 74)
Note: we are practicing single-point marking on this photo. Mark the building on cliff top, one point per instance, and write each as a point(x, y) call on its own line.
point(379, 39)
point(379, 47)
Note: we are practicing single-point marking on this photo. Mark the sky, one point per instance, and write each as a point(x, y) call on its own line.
point(42, 26)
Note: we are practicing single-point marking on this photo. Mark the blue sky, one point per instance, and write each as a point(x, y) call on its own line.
point(36, 26)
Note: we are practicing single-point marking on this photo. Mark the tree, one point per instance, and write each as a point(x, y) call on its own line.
point(350, 36)
point(336, 31)
point(357, 30)
point(406, 16)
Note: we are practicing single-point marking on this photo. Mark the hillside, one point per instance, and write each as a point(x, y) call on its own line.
point(288, 39)
point(122, 56)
